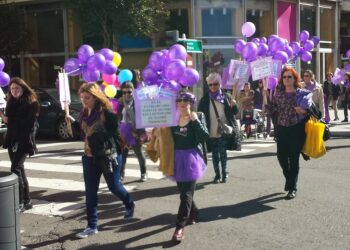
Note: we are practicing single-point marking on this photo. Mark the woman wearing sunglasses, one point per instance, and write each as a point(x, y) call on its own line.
point(289, 119)
point(227, 109)
point(190, 159)
point(133, 138)
point(316, 89)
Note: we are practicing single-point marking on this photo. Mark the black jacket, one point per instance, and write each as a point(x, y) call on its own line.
point(233, 143)
point(21, 125)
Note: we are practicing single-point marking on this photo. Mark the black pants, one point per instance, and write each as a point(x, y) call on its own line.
point(17, 166)
point(187, 206)
point(290, 141)
point(140, 157)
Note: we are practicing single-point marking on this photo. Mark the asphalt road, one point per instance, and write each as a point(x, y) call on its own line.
point(248, 212)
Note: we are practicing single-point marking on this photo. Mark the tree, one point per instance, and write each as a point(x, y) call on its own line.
point(14, 35)
point(111, 18)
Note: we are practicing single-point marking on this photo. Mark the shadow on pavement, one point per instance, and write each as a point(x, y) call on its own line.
point(249, 156)
point(240, 210)
point(330, 148)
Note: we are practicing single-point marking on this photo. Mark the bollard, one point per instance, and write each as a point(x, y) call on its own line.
point(10, 235)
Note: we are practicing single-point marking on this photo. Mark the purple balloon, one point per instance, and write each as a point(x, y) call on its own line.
point(175, 69)
point(262, 49)
point(4, 79)
point(348, 54)
point(315, 39)
point(84, 52)
point(189, 78)
point(295, 47)
point(91, 75)
point(156, 61)
point(271, 38)
point(172, 85)
point(272, 82)
point(304, 35)
point(263, 40)
point(277, 44)
point(107, 53)
point(256, 40)
point(96, 61)
point(149, 75)
point(109, 68)
point(2, 64)
point(347, 67)
point(177, 51)
point(282, 56)
point(250, 51)
point(239, 45)
point(288, 49)
point(308, 45)
point(248, 29)
point(71, 67)
point(306, 56)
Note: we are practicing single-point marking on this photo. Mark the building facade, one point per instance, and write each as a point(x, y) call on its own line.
point(55, 35)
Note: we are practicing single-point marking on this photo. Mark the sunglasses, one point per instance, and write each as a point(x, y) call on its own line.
point(213, 84)
point(127, 92)
point(306, 76)
point(182, 100)
point(287, 77)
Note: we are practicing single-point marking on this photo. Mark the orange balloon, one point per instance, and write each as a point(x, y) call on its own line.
point(104, 84)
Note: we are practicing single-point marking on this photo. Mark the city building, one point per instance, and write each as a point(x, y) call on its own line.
point(217, 23)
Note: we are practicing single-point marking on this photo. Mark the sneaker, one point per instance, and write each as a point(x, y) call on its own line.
point(28, 205)
point(345, 120)
point(130, 212)
point(216, 180)
point(178, 234)
point(143, 177)
point(86, 233)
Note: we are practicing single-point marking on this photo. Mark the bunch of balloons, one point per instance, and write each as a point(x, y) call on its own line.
point(339, 74)
point(275, 46)
point(91, 64)
point(4, 77)
point(167, 69)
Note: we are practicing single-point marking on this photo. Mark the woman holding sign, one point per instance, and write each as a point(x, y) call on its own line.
point(289, 112)
point(189, 136)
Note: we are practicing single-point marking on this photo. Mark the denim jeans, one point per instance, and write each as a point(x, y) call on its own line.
point(93, 169)
point(219, 155)
point(140, 157)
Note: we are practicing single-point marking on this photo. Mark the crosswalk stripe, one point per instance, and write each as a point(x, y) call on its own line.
point(65, 185)
point(45, 145)
point(259, 145)
point(50, 209)
point(69, 168)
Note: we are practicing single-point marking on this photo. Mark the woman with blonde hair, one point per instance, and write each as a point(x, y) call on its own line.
point(99, 129)
point(22, 110)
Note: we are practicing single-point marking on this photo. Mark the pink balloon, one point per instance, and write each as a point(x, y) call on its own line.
point(110, 79)
point(116, 82)
point(248, 29)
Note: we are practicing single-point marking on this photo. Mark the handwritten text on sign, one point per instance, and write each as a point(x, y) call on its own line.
point(155, 113)
point(261, 68)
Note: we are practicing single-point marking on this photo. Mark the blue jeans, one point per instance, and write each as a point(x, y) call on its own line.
point(219, 155)
point(93, 169)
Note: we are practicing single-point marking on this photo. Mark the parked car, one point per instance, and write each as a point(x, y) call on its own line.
point(52, 118)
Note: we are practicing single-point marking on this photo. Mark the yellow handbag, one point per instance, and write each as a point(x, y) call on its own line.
point(314, 144)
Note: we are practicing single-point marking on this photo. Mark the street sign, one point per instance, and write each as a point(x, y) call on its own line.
point(191, 45)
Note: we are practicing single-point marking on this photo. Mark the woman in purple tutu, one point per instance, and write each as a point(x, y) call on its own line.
point(190, 164)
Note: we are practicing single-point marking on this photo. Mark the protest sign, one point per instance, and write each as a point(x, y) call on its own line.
point(261, 68)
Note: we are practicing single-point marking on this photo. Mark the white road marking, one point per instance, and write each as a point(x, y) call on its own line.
point(45, 145)
point(259, 145)
point(69, 168)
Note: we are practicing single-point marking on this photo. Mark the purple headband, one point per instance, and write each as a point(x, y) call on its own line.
point(187, 96)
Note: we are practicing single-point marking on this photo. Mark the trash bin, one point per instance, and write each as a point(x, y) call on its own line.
point(10, 235)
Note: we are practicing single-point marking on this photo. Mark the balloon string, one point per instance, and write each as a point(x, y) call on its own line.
point(73, 71)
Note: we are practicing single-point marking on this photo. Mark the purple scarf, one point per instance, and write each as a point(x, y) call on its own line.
point(217, 96)
point(91, 119)
point(310, 86)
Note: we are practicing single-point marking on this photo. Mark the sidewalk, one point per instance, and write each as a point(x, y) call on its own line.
point(338, 128)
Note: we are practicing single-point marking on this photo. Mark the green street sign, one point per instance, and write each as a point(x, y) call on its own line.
point(191, 45)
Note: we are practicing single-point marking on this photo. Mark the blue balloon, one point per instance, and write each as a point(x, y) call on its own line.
point(124, 75)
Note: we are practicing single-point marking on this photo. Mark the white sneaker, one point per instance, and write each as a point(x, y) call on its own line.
point(86, 233)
